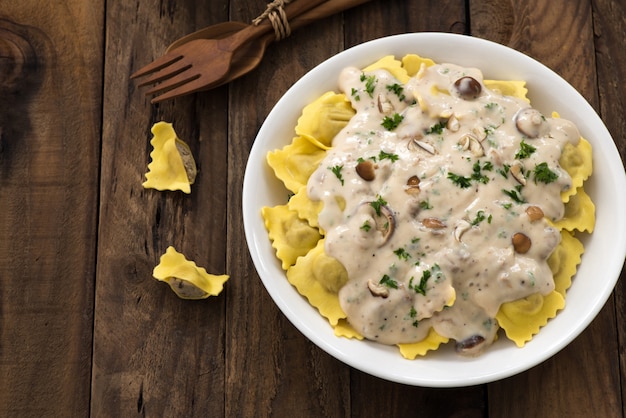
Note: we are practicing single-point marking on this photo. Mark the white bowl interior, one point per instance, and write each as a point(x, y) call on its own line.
point(597, 274)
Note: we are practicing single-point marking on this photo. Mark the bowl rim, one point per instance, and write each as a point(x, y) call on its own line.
point(431, 370)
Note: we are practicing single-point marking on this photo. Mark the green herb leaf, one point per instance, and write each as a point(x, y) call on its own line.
point(425, 204)
point(437, 128)
point(397, 89)
point(525, 150)
point(544, 174)
point(477, 175)
point(337, 172)
point(389, 156)
point(377, 204)
point(402, 254)
point(462, 182)
point(515, 195)
point(366, 226)
point(480, 216)
point(391, 123)
point(355, 94)
point(370, 83)
point(389, 282)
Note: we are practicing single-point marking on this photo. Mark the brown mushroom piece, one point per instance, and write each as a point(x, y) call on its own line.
point(468, 88)
point(366, 170)
point(384, 218)
point(413, 185)
point(521, 243)
point(531, 123)
point(471, 346)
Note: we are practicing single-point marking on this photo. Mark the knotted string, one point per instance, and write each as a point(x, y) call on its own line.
point(275, 13)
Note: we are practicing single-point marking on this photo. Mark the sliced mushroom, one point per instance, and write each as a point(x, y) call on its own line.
point(472, 143)
point(531, 123)
point(377, 289)
point(418, 144)
point(534, 213)
point(521, 243)
point(516, 171)
point(384, 105)
point(366, 170)
point(468, 88)
point(383, 217)
point(460, 229)
point(471, 346)
point(433, 223)
point(453, 124)
point(413, 185)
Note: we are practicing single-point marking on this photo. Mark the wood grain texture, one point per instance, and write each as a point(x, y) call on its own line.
point(610, 31)
point(155, 354)
point(49, 146)
point(85, 330)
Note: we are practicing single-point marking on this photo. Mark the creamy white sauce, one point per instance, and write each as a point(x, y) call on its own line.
point(456, 241)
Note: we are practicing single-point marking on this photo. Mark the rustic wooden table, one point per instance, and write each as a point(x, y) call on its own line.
point(86, 330)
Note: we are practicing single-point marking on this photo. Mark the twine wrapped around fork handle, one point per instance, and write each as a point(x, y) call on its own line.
point(275, 13)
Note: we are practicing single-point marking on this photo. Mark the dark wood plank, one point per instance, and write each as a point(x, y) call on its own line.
point(50, 106)
point(583, 379)
point(156, 354)
point(272, 369)
point(610, 32)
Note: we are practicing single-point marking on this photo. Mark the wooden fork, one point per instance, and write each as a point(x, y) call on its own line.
point(204, 62)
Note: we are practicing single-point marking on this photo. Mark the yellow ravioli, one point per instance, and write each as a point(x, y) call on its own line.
point(305, 207)
point(291, 236)
point(319, 277)
point(322, 120)
point(344, 329)
point(172, 166)
point(294, 163)
point(577, 161)
point(564, 261)
point(521, 319)
point(412, 63)
point(394, 66)
point(579, 213)
point(431, 342)
point(185, 278)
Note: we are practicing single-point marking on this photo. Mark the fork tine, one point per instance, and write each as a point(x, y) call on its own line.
point(191, 86)
point(174, 82)
point(158, 64)
point(170, 71)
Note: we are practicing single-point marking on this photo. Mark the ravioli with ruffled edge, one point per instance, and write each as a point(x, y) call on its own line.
point(299, 242)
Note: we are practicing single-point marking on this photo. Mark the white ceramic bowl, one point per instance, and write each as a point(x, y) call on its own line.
point(597, 274)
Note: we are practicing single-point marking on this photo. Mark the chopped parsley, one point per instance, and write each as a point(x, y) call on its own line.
point(389, 282)
point(504, 171)
point(397, 89)
point(462, 182)
point(421, 287)
point(355, 94)
point(544, 174)
point(515, 194)
point(525, 150)
point(437, 128)
point(391, 122)
point(480, 216)
point(477, 175)
point(337, 172)
point(425, 204)
point(377, 204)
point(366, 226)
point(402, 254)
point(388, 156)
point(370, 83)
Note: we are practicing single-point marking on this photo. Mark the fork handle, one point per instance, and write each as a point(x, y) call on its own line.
point(328, 8)
point(292, 10)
